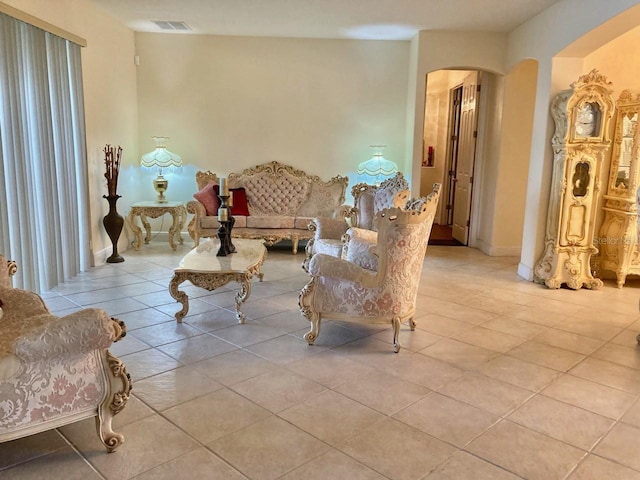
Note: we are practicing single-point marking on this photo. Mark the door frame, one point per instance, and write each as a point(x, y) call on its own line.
point(447, 182)
point(489, 82)
point(487, 95)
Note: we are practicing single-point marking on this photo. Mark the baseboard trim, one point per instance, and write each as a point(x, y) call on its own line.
point(100, 257)
point(525, 272)
point(492, 251)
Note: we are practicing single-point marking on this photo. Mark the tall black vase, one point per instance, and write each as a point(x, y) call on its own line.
point(113, 223)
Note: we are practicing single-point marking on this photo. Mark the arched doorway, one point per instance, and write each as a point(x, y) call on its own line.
point(449, 149)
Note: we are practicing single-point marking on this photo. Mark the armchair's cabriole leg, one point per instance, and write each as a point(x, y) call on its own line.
point(312, 334)
point(305, 302)
point(294, 240)
point(412, 324)
point(118, 391)
point(396, 331)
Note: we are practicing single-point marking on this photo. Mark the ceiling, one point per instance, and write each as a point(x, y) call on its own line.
point(357, 19)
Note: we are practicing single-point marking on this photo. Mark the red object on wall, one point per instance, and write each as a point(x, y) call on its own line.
point(430, 157)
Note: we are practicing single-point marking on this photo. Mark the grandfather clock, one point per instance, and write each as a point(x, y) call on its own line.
point(618, 239)
point(581, 140)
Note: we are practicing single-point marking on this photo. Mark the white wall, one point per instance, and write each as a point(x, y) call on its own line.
point(230, 103)
point(109, 79)
point(513, 145)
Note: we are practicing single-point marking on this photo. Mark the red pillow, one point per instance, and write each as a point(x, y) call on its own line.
point(240, 203)
point(208, 196)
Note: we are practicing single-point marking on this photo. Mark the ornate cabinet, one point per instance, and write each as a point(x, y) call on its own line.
point(618, 238)
point(580, 143)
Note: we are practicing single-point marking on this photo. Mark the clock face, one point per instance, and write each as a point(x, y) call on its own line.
point(587, 119)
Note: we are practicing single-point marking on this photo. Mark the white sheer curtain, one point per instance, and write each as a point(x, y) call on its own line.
point(44, 214)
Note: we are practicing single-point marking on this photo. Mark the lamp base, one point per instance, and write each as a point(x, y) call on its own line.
point(160, 184)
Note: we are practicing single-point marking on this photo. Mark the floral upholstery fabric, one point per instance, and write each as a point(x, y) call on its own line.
point(360, 247)
point(396, 293)
point(377, 280)
point(55, 370)
point(51, 389)
point(328, 246)
point(323, 200)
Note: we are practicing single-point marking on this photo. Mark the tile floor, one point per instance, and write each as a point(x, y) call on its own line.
point(503, 379)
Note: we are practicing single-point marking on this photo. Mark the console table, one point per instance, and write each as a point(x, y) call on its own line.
point(154, 210)
point(204, 269)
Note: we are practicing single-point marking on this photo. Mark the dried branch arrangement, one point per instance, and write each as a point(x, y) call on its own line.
point(112, 165)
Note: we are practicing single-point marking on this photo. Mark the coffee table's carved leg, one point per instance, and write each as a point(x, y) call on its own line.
point(147, 227)
point(242, 295)
point(258, 272)
point(137, 232)
point(174, 229)
point(179, 296)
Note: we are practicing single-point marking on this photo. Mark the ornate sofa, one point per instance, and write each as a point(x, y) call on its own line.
point(367, 201)
point(378, 280)
point(56, 370)
point(280, 203)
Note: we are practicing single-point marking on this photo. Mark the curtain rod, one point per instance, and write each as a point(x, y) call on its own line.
point(41, 24)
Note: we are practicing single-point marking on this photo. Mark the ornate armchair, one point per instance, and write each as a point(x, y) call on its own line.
point(378, 279)
point(368, 200)
point(56, 370)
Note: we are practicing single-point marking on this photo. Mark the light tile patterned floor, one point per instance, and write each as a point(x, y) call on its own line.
point(503, 379)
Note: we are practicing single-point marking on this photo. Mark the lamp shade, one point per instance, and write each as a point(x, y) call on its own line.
point(377, 168)
point(161, 158)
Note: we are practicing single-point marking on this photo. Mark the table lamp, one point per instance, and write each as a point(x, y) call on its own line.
point(375, 170)
point(158, 160)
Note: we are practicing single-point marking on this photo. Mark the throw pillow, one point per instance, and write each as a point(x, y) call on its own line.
point(208, 196)
point(240, 202)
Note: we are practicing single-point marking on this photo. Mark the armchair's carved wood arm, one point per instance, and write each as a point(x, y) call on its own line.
point(8, 268)
point(195, 207)
point(12, 268)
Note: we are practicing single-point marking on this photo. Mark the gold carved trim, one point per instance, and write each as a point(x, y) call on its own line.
point(119, 370)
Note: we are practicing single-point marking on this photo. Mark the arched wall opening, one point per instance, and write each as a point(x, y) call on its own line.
point(563, 55)
point(502, 153)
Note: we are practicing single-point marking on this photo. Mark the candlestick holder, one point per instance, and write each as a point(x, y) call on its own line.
point(226, 221)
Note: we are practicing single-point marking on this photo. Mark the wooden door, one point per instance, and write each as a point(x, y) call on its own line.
point(466, 158)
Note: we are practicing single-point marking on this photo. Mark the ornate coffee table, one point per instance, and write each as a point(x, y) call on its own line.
point(204, 269)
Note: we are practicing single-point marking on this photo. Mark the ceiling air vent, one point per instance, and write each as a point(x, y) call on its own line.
point(173, 26)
